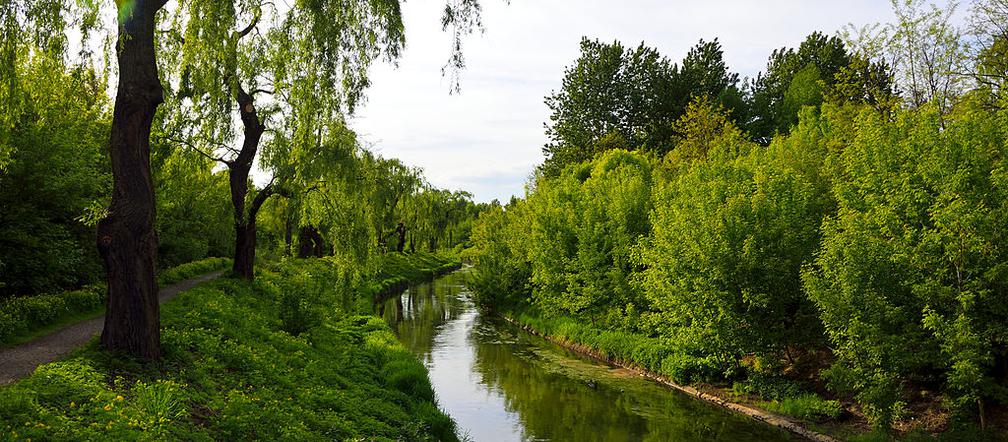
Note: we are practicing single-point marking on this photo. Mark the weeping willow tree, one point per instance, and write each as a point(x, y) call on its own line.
point(390, 183)
point(30, 30)
point(252, 59)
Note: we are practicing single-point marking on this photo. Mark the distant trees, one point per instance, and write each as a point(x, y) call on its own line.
point(924, 49)
point(618, 98)
point(793, 79)
point(990, 48)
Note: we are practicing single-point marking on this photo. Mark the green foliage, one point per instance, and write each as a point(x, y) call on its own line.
point(231, 372)
point(194, 217)
point(770, 387)
point(20, 316)
point(621, 98)
point(911, 266)
point(192, 269)
point(502, 273)
point(584, 225)
point(794, 78)
point(730, 236)
point(23, 316)
point(56, 170)
point(807, 406)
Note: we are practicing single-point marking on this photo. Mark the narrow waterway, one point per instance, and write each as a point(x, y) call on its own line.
point(500, 383)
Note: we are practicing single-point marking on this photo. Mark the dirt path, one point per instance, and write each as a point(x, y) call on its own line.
point(20, 361)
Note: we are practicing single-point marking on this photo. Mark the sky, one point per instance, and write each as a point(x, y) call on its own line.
point(488, 138)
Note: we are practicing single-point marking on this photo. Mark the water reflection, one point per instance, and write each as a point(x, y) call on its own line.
point(501, 384)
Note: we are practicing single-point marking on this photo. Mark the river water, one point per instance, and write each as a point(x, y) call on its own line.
point(500, 383)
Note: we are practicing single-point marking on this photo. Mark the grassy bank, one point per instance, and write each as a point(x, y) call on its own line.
point(401, 270)
point(777, 401)
point(285, 358)
point(24, 318)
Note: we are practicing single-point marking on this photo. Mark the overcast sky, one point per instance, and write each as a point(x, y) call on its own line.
point(489, 138)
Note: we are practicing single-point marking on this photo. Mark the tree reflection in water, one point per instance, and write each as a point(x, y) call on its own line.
point(501, 384)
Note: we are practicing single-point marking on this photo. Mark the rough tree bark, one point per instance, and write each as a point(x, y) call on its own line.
point(126, 239)
point(238, 174)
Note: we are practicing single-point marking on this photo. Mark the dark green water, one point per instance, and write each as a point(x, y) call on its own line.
point(502, 384)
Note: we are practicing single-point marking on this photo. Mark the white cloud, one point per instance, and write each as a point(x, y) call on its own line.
point(489, 138)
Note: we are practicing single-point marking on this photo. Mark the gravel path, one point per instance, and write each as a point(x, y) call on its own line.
point(20, 361)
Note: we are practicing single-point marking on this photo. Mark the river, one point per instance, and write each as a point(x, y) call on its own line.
point(500, 383)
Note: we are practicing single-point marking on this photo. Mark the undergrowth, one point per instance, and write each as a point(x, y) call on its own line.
point(23, 317)
point(239, 365)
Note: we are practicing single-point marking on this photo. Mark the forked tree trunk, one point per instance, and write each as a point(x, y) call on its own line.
point(238, 175)
point(126, 239)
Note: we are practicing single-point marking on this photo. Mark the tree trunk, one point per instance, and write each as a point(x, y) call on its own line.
point(245, 249)
point(305, 243)
point(401, 230)
point(238, 175)
point(310, 243)
point(126, 239)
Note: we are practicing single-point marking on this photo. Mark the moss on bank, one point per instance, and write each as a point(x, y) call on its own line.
point(285, 358)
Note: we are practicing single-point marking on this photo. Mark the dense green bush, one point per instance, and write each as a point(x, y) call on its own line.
point(911, 278)
point(584, 225)
point(501, 276)
point(56, 173)
point(723, 264)
point(807, 406)
point(194, 215)
point(21, 316)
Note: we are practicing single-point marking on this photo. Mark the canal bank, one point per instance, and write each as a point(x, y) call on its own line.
point(501, 383)
point(775, 420)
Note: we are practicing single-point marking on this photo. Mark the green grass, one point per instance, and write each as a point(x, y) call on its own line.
point(232, 372)
point(192, 270)
point(417, 266)
point(28, 317)
point(806, 406)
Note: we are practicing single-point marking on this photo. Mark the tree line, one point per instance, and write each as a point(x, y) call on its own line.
point(157, 169)
point(838, 219)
